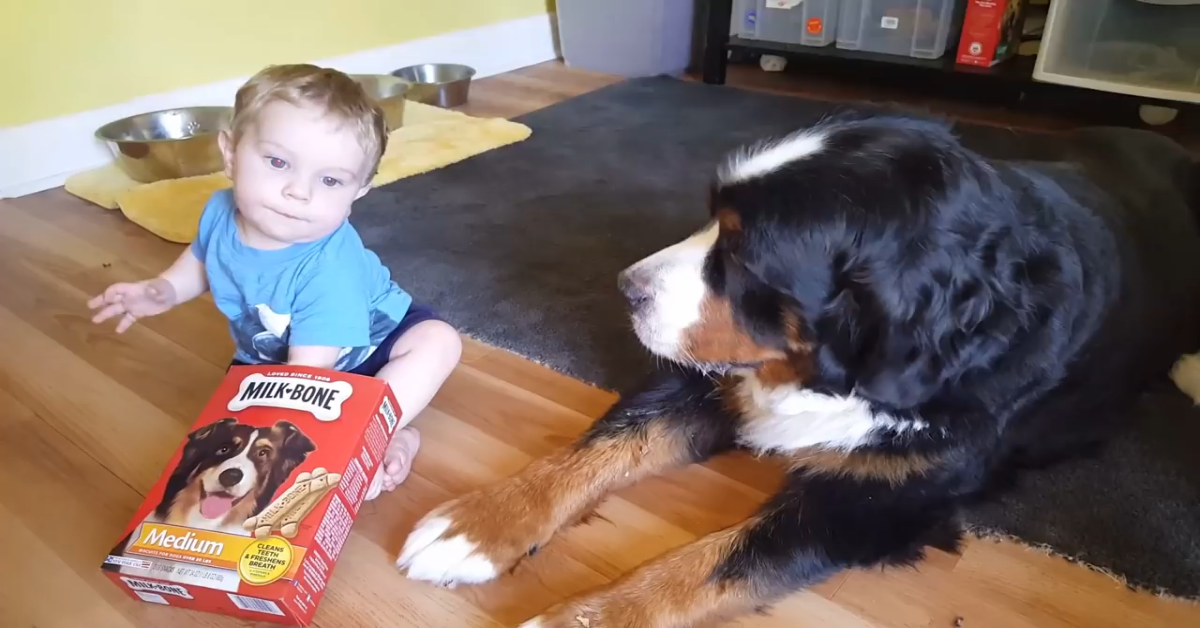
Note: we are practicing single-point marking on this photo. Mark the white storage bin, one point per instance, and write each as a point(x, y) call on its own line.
point(626, 37)
point(1124, 46)
point(808, 22)
point(911, 28)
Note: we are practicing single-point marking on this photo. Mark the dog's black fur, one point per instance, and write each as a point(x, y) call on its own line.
point(1018, 308)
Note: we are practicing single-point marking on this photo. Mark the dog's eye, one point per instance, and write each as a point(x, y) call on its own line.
point(262, 453)
point(223, 450)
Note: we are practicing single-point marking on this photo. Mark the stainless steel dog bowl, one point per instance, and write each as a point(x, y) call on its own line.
point(442, 84)
point(390, 92)
point(167, 144)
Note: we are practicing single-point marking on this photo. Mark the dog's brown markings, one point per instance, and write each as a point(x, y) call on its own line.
point(265, 446)
point(718, 339)
point(674, 590)
point(800, 348)
point(793, 371)
point(186, 500)
point(729, 220)
point(777, 373)
point(863, 465)
point(512, 519)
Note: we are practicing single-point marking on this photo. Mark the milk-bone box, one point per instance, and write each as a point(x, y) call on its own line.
point(250, 514)
point(991, 32)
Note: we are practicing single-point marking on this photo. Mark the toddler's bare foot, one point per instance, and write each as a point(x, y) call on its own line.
point(397, 462)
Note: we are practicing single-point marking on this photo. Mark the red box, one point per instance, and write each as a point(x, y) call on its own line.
point(251, 513)
point(991, 32)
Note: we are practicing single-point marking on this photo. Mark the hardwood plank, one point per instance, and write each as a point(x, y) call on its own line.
point(63, 598)
point(1055, 587)
point(551, 385)
point(43, 245)
point(61, 511)
point(152, 365)
point(128, 435)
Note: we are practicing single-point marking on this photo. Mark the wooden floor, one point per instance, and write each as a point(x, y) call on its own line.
point(88, 420)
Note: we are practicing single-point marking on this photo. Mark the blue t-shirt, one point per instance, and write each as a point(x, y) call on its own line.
point(331, 292)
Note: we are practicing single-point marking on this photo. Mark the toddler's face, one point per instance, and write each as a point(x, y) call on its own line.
point(295, 173)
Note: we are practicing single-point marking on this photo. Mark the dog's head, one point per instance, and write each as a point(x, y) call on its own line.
point(231, 463)
point(875, 256)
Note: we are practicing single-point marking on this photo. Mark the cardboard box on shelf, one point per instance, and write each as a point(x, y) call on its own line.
point(991, 32)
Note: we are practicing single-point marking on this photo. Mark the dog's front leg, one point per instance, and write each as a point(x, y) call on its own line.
point(813, 528)
point(480, 535)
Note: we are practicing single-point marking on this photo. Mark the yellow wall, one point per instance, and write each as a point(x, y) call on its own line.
point(65, 56)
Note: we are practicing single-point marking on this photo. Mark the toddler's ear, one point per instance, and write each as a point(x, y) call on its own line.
point(225, 142)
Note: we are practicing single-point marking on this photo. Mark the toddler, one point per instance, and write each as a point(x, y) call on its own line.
point(283, 262)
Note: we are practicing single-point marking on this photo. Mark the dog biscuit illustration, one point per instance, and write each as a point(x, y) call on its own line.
point(289, 509)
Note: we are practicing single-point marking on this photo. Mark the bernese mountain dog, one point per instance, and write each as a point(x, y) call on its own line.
point(900, 319)
point(227, 472)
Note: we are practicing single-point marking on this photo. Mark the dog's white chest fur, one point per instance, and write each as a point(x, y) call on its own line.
point(787, 418)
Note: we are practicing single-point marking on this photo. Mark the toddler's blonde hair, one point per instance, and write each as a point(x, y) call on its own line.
point(331, 91)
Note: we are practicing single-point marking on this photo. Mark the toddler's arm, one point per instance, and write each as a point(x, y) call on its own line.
point(313, 355)
point(187, 277)
point(182, 282)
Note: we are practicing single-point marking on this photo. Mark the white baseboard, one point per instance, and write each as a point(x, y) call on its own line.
point(41, 155)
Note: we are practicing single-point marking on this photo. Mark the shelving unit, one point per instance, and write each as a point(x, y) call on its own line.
point(1008, 84)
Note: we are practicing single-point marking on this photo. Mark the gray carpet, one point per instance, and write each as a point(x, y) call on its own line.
point(520, 248)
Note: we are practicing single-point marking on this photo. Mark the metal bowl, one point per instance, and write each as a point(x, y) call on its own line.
point(167, 144)
point(441, 84)
point(391, 94)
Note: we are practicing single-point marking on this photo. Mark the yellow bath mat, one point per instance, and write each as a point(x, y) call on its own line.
point(171, 209)
point(100, 186)
point(430, 138)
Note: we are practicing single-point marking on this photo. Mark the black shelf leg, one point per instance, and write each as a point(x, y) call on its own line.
point(720, 12)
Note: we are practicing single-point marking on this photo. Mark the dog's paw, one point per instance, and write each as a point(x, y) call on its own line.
point(633, 601)
point(436, 554)
point(589, 612)
point(473, 539)
point(1186, 375)
point(557, 620)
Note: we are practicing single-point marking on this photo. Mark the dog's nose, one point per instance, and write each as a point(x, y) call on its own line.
point(634, 288)
point(230, 477)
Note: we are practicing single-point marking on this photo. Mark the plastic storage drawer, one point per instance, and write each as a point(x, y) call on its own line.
point(1123, 46)
point(745, 14)
point(811, 22)
point(911, 28)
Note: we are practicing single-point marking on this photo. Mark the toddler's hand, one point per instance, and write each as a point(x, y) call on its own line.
point(132, 301)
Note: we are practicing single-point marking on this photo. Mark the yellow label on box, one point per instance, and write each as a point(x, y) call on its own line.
point(256, 561)
point(265, 561)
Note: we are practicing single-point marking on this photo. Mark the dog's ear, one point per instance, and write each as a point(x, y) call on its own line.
point(191, 450)
point(898, 339)
point(191, 446)
point(207, 430)
point(294, 448)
